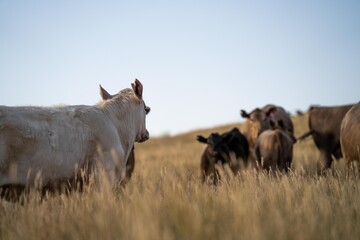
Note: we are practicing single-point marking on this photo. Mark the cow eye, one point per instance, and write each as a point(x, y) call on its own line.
point(147, 110)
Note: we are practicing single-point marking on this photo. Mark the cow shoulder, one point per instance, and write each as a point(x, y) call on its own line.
point(101, 126)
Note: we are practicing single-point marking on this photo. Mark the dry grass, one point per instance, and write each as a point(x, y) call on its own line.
point(166, 200)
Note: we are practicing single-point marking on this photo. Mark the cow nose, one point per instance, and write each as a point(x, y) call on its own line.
point(145, 137)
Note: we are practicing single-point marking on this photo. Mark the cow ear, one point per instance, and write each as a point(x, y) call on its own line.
point(104, 94)
point(235, 131)
point(201, 139)
point(271, 111)
point(229, 136)
point(244, 114)
point(137, 88)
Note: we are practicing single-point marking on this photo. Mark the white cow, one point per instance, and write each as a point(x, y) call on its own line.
point(56, 143)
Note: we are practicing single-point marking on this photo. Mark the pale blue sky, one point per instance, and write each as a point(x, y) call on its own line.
point(200, 61)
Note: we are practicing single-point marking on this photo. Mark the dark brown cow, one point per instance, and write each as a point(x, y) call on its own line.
point(324, 125)
point(350, 136)
point(274, 148)
point(258, 121)
point(228, 148)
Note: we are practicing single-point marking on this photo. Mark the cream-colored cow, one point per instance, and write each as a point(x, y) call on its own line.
point(57, 143)
point(350, 137)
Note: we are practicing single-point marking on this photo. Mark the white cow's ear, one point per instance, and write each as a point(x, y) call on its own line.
point(104, 94)
point(137, 88)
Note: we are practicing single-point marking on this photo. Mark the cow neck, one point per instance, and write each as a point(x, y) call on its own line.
point(121, 111)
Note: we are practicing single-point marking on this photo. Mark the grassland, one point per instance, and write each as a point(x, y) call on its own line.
point(166, 200)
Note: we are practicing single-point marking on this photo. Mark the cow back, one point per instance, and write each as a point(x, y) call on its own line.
point(274, 149)
point(50, 141)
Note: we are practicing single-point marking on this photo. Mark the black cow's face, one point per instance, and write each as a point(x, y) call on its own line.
point(217, 146)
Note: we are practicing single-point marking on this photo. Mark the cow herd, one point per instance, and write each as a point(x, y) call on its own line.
point(267, 140)
point(41, 146)
point(269, 135)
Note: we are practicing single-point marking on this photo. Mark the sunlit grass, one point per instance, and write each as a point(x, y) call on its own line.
point(165, 199)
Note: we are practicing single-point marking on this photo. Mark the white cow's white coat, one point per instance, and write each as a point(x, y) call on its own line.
point(55, 143)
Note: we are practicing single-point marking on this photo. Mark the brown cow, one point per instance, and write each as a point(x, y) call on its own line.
point(258, 121)
point(350, 136)
point(274, 148)
point(324, 125)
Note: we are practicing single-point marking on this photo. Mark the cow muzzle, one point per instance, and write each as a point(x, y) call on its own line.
point(144, 137)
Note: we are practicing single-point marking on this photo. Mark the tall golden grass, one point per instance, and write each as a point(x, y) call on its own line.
point(165, 199)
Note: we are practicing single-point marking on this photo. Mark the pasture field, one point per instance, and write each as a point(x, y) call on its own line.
point(165, 199)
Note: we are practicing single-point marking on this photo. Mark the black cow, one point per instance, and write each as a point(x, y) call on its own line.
point(228, 148)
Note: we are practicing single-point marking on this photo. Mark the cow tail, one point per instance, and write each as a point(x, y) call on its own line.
point(306, 135)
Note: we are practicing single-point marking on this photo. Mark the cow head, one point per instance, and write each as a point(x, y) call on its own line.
point(140, 110)
point(227, 137)
point(143, 134)
point(217, 146)
point(258, 120)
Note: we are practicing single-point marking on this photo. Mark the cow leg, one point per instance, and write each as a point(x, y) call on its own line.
point(337, 152)
point(211, 175)
point(12, 193)
point(268, 164)
point(112, 167)
point(105, 175)
point(217, 177)
point(256, 159)
point(353, 167)
point(130, 166)
point(253, 161)
point(324, 162)
point(349, 167)
point(283, 166)
point(120, 164)
point(288, 162)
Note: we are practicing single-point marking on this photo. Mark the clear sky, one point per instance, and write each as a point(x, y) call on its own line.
point(200, 61)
